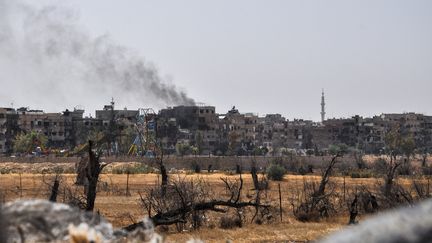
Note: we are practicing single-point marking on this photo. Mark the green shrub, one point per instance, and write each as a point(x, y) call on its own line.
point(276, 172)
point(5, 171)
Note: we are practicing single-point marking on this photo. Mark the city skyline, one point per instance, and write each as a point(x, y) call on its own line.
point(91, 113)
point(274, 57)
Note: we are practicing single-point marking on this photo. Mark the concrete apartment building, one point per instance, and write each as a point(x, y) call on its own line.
point(233, 133)
point(192, 125)
point(108, 114)
point(50, 124)
point(8, 129)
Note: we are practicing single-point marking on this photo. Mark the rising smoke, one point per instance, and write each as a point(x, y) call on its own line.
point(47, 59)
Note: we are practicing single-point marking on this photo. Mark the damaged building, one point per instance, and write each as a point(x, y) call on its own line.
point(201, 127)
point(8, 129)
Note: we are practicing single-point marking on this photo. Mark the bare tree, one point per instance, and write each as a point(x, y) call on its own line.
point(159, 156)
point(396, 147)
point(94, 168)
point(316, 202)
point(88, 170)
point(254, 175)
point(184, 200)
point(55, 189)
point(353, 211)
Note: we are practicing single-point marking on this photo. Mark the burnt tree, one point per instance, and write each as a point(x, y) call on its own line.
point(184, 200)
point(316, 203)
point(163, 171)
point(353, 211)
point(93, 169)
point(254, 175)
point(54, 190)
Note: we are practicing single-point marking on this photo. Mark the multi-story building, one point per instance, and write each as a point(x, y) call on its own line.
point(193, 125)
point(8, 129)
point(50, 124)
point(200, 126)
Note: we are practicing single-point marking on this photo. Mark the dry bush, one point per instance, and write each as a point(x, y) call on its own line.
point(196, 167)
point(405, 169)
point(179, 194)
point(74, 196)
point(379, 166)
point(230, 222)
point(368, 202)
point(311, 206)
point(315, 202)
point(187, 203)
point(426, 170)
point(422, 188)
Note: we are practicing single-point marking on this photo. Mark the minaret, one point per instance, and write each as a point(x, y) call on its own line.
point(322, 106)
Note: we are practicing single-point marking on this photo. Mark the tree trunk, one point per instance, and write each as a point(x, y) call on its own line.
point(54, 191)
point(164, 175)
point(238, 169)
point(255, 177)
point(93, 170)
point(353, 211)
point(388, 186)
point(91, 195)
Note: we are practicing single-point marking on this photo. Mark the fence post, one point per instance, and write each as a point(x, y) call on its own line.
point(428, 186)
point(20, 185)
point(127, 183)
point(344, 190)
point(280, 202)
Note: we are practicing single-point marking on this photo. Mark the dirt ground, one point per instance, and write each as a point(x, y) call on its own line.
point(121, 210)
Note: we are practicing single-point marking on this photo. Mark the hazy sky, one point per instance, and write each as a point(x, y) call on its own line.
point(275, 56)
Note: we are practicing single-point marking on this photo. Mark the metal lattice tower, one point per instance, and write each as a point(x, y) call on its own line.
point(145, 140)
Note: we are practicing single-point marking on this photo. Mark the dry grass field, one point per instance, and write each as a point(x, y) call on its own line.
point(122, 209)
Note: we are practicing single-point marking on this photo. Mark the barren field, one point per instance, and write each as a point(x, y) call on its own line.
point(121, 208)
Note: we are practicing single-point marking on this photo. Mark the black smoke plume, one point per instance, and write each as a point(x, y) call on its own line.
point(46, 57)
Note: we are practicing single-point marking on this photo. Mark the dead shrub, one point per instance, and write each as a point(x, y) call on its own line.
point(427, 170)
point(315, 202)
point(379, 166)
point(230, 222)
point(405, 169)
